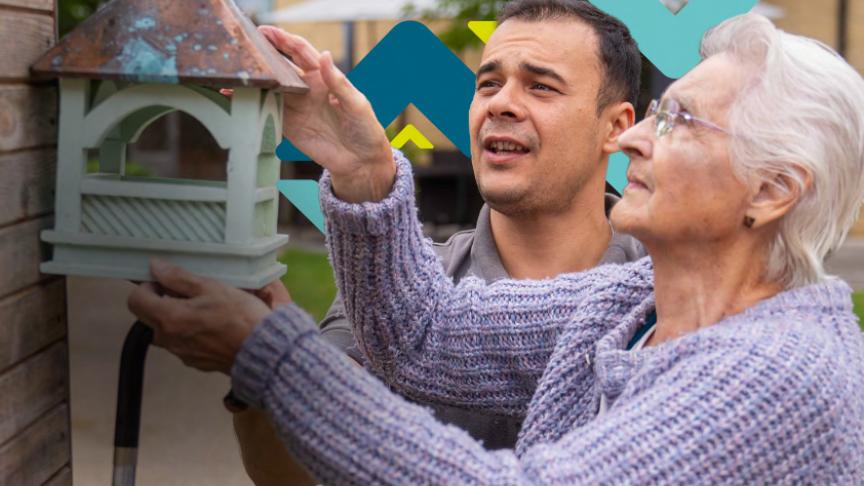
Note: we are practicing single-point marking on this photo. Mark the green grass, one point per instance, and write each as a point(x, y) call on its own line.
point(858, 302)
point(310, 280)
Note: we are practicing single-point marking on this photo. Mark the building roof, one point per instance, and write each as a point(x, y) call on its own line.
point(204, 42)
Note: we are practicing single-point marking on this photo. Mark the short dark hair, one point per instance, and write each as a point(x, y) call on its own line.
point(619, 54)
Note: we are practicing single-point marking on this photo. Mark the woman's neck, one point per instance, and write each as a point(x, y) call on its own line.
point(699, 285)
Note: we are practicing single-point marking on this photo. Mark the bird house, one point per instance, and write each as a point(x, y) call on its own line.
point(129, 64)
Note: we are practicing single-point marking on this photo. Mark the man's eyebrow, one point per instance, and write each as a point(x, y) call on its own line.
point(488, 68)
point(542, 71)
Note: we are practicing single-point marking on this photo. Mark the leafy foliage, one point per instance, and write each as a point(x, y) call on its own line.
point(70, 13)
point(457, 36)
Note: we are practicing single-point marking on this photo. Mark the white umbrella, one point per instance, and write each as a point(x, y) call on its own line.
point(345, 10)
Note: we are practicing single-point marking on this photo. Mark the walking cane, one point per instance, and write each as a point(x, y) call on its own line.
point(129, 387)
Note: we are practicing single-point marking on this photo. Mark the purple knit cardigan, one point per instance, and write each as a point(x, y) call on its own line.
point(773, 395)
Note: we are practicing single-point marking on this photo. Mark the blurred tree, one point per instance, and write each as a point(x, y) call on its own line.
point(71, 12)
point(457, 36)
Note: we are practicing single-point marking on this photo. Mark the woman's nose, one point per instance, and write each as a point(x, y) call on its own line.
point(638, 141)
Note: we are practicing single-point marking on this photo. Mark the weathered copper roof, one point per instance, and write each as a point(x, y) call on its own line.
point(205, 42)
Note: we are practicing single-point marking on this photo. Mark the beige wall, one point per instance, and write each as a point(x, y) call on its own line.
point(819, 20)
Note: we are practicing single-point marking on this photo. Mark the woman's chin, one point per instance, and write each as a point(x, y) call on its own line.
point(626, 220)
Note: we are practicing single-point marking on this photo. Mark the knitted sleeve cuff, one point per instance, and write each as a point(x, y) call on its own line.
point(374, 218)
point(264, 348)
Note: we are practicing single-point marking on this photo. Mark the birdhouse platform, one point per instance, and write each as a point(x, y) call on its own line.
point(125, 67)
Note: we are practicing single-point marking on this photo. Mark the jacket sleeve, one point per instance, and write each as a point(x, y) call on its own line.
point(715, 416)
point(428, 338)
point(336, 329)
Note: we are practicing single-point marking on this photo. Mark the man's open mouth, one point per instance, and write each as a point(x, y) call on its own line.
point(505, 146)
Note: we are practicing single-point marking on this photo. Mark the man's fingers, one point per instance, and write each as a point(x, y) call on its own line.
point(338, 83)
point(175, 279)
point(304, 55)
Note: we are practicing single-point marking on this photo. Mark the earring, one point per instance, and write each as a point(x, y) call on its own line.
point(749, 221)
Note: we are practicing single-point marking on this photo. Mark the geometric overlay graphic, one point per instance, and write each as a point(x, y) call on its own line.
point(411, 134)
point(411, 65)
point(303, 195)
point(671, 41)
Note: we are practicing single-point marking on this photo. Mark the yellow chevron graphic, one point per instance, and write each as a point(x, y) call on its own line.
point(483, 28)
point(410, 133)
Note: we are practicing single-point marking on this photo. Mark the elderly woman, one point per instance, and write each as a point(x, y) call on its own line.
point(728, 356)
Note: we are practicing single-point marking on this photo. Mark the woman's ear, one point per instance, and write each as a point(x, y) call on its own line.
point(619, 117)
point(775, 197)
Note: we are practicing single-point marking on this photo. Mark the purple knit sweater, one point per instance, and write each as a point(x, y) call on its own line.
point(773, 395)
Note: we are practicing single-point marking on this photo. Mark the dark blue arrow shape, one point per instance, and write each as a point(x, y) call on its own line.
point(411, 65)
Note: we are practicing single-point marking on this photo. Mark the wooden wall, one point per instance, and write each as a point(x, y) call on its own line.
point(34, 364)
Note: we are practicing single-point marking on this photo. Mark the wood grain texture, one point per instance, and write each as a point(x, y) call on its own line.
point(27, 184)
point(24, 38)
point(28, 117)
point(30, 320)
point(44, 5)
point(21, 251)
point(62, 478)
point(32, 388)
point(38, 452)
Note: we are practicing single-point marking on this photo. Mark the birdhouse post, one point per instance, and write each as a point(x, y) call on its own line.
point(123, 68)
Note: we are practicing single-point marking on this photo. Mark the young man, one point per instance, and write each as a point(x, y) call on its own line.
point(556, 85)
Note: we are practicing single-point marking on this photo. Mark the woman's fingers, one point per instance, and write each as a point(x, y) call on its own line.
point(304, 55)
point(338, 84)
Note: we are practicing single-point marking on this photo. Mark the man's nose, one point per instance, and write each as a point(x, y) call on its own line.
point(506, 103)
point(638, 141)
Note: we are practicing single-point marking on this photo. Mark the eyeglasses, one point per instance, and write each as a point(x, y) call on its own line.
point(669, 115)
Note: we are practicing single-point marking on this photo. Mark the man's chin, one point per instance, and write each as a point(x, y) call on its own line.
point(506, 201)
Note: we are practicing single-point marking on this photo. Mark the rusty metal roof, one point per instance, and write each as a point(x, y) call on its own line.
point(204, 42)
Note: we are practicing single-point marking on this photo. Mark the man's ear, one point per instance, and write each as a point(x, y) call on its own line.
point(617, 118)
point(774, 198)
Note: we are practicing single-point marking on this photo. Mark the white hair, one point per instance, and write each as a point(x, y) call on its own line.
point(801, 110)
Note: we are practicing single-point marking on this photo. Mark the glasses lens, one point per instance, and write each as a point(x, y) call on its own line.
point(667, 112)
point(664, 123)
point(652, 109)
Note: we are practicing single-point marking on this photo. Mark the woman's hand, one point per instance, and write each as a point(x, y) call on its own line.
point(202, 321)
point(334, 124)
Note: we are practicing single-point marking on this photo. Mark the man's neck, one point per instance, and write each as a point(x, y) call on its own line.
point(535, 246)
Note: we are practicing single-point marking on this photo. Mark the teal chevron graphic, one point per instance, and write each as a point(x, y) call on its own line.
point(670, 41)
point(411, 65)
point(303, 194)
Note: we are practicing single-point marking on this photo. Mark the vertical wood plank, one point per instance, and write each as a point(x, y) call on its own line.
point(26, 184)
point(32, 388)
point(24, 37)
point(30, 320)
point(45, 5)
point(28, 117)
point(62, 478)
point(21, 251)
point(41, 450)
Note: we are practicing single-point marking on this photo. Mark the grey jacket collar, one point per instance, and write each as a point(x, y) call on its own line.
point(486, 261)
